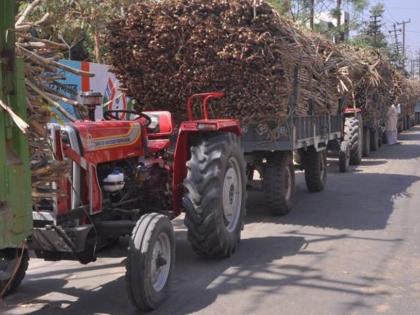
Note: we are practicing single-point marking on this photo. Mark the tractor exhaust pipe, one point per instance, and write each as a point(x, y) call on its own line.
point(91, 100)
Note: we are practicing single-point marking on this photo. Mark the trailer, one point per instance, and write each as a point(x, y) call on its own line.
point(417, 113)
point(373, 131)
point(15, 177)
point(276, 149)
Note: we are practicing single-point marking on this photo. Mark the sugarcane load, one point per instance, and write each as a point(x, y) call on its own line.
point(164, 51)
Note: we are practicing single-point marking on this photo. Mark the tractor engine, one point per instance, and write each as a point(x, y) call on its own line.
point(134, 186)
point(118, 171)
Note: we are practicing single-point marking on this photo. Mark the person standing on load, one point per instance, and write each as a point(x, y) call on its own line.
point(391, 125)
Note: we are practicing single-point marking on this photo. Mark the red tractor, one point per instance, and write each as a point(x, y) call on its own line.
point(131, 177)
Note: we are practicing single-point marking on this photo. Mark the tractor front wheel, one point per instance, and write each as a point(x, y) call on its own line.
point(215, 194)
point(150, 261)
point(315, 164)
point(344, 157)
point(353, 132)
point(13, 265)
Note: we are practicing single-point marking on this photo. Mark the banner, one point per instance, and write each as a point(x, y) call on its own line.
point(103, 82)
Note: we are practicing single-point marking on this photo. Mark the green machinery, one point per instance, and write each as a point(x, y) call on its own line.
point(15, 176)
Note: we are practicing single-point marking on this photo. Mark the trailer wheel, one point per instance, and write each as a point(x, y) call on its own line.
point(150, 261)
point(374, 139)
point(9, 258)
point(279, 182)
point(353, 136)
point(344, 157)
point(215, 194)
point(366, 142)
point(380, 137)
point(315, 169)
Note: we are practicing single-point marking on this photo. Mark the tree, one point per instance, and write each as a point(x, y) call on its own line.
point(282, 6)
point(80, 23)
point(305, 12)
point(337, 12)
point(298, 10)
point(372, 35)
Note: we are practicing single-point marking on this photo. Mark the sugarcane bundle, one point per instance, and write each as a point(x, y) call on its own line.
point(163, 52)
point(43, 73)
point(410, 96)
point(376, 83)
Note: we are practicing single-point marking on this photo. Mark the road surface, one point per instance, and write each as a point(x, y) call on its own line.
point(351, 249)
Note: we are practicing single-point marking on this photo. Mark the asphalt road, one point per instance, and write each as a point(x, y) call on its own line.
point(351, 249)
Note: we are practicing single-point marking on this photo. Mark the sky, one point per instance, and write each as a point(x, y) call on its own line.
point(398, 11)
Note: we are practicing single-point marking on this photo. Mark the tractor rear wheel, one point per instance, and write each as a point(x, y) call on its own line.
point(279, 182)
point(13, 265)
point(315, 164)
point(353, 136)
point(150, 261)
point(215, 194)
point(366, 142)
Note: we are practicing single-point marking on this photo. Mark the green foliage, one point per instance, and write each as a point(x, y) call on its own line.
point(79, 22)
point(300, 11)
point(377, 10)
point(372, 35)
point(282, 6)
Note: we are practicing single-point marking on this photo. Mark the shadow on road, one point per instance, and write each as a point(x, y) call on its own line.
point(410, 135)
point(197, 283)
point(402, 151)
point(343, 204)
point(405, 150)
point(373, 162)
point(190, 284)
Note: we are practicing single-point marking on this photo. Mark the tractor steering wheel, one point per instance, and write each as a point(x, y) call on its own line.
point(115, 115)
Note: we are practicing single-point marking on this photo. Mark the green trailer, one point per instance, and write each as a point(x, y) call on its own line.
point(15, 176)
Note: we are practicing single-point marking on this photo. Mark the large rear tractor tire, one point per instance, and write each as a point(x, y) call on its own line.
point(315, 164)
point(13, 265)
point(215, 195)
point(150, 261)
point(366, 142)
point(353, 136)
point(279, 182)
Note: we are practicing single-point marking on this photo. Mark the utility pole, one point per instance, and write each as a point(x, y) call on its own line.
point(338, 8)
point(375, 26)
point(395, 31)
point(340, 37)
point(312, 14)
point(418, 61)
point(412, 69)
point(403, 23)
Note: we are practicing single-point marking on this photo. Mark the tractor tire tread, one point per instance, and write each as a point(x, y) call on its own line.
point(202, 198)
point(19, 276)
point(273, 183)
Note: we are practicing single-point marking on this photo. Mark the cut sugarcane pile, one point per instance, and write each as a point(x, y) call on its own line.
point(42, 78)
point(409, 97)
point(375, 82)
point(165, 51)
